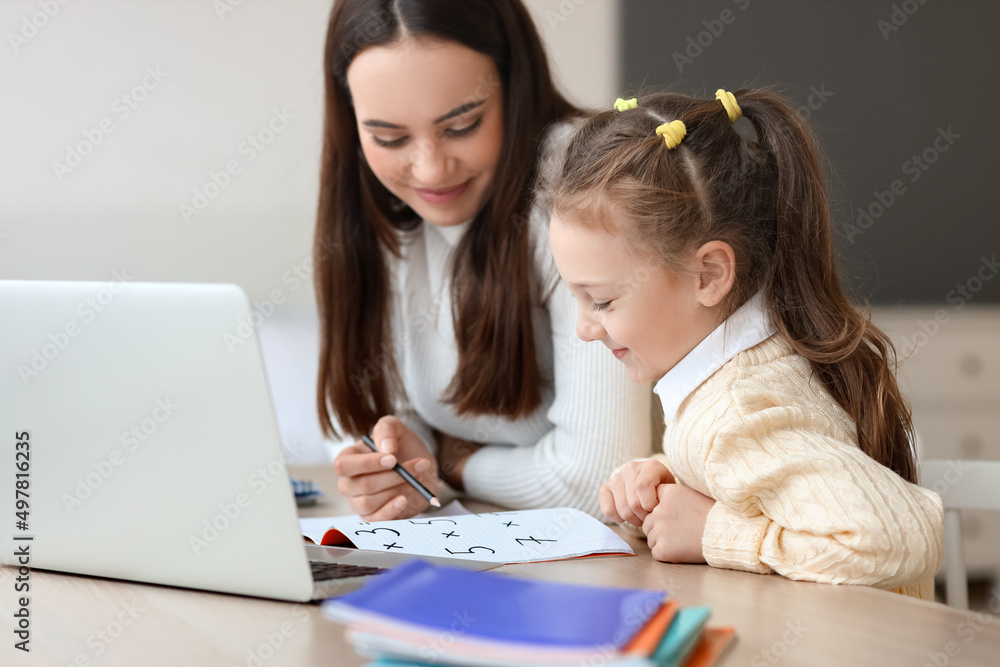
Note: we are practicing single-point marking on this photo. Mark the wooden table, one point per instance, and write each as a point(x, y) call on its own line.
point(87, 621)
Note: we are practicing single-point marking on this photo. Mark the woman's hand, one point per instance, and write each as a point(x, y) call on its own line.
point(676, 525)
point(375, 491)
point(630, 495)
point(452, 453)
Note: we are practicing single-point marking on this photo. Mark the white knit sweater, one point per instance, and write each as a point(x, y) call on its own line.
point(794, 493)
point(592, 418)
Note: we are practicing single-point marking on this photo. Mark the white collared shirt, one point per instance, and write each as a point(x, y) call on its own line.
point(746, 327)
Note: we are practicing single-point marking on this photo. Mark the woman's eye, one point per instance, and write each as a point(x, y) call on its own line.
point(602, 306)
point(389, 143)
point(464, 131)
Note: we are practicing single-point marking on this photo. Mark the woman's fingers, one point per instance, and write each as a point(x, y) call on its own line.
point(359, 460)
point(382, 505)
point(387, 433)
point(366, 485)
point(398, 502)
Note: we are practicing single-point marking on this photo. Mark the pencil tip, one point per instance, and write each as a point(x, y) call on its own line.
point(435, 502)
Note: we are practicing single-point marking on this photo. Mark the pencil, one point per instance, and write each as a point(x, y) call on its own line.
point(405, 474)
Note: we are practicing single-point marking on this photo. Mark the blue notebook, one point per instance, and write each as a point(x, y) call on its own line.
point(500, 608)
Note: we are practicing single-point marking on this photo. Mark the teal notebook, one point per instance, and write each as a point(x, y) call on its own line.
point(681, 637)
point(499, 608)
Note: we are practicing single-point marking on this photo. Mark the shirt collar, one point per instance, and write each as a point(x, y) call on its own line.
point(746, 327)
point(453, 233)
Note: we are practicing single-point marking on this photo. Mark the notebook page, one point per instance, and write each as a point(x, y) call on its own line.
point(522, 536)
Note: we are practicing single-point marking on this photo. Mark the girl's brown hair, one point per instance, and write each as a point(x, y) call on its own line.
point(359, 222)
point(764, 197)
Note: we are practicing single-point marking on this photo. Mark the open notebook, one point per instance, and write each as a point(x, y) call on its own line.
point(521, 536)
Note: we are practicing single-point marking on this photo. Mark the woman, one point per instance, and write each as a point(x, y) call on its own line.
point(445, 329)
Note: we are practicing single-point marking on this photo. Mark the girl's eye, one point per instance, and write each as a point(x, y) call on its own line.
point(602, 306)
point(464, 131)
point(394, 143)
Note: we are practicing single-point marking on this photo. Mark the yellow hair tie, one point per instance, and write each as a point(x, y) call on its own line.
point(625, 105)
point(729, 102)
point(672, 133)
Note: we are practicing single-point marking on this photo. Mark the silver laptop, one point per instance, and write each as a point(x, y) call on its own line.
point(142, 441)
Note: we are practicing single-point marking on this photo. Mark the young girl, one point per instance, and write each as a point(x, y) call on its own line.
point(703, 260)
point(446, 332)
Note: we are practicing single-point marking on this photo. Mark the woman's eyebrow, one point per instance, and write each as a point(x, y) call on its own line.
point(457, 111)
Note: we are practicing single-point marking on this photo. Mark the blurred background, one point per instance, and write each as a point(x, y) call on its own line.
point(120, 118)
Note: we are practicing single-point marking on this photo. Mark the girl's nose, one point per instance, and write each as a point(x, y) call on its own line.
point(588, 329)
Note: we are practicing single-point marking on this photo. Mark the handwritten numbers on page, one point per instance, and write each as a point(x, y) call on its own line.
point(503, 537)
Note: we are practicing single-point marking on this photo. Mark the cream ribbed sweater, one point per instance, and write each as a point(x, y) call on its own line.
point(794, 493)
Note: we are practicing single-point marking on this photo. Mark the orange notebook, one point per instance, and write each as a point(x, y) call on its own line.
point(644, 643)
point(711, 646)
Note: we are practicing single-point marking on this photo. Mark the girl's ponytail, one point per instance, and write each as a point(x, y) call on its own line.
point(807, 305)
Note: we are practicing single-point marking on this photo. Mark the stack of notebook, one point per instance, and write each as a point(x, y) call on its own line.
point(423, 614)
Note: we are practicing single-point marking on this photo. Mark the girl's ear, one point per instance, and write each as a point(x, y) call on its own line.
point(715, 263)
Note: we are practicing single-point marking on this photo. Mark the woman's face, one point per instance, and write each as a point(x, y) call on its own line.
point(430, 118)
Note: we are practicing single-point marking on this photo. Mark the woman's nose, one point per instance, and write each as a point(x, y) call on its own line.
point(430, 164)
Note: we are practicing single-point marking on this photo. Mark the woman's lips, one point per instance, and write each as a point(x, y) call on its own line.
point(443, 195)
point(620, 352)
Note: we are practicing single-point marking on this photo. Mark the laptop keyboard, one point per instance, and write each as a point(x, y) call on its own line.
point(324, 571)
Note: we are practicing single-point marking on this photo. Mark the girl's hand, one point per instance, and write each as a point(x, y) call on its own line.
point(452, 453)
point(630, 495)
point(374, 489)
point(675, 526)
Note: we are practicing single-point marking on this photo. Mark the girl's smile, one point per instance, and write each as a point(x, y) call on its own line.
point(647, 316)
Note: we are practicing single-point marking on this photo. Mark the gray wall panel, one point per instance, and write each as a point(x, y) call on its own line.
point(884, 93)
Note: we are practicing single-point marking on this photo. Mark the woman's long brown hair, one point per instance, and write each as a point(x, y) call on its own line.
point(765, 197)
point(359, 221)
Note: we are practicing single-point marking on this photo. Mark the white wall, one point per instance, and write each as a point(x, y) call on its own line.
point(199, 83)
